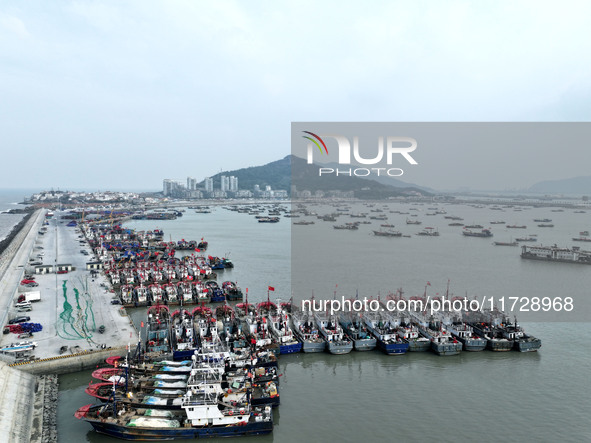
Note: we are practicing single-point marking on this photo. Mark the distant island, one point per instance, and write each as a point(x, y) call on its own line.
point(575, 185)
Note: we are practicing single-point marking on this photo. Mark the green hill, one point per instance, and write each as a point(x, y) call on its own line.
point(279, 175)
point(276, 174)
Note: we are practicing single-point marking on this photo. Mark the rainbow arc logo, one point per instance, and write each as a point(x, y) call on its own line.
point(316, 142)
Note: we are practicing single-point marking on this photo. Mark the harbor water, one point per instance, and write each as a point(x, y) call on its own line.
point(368, 396)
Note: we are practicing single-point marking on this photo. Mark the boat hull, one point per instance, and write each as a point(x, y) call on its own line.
point(499, 345)
point(154, 434)
point(182, 355)
point(393, 348)
point(309, 346)
point(291, 348)
point(365, 344)
point(339, 349)
point(473, 344)
point(419, 345)
point(264, 401)
point(529, 345)
point(446, 348)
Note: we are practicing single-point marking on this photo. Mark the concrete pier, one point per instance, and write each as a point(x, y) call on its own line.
point(71, 309)
point(73, 305)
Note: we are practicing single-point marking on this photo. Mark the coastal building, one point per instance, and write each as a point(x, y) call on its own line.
point(244, 193)
point(218, 193)
point(233, 183)
point(208, 183)
point(225, 183)
point(191, 184)
point(167, 187)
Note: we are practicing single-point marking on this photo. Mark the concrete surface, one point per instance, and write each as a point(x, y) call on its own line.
point(72, 305)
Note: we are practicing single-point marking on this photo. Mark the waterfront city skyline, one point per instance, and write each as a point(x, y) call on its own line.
point(117, 93)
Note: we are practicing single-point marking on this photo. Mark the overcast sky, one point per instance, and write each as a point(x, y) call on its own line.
point(121, 94)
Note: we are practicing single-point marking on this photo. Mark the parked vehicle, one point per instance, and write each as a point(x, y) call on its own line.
point(21, 319)
point(29, 296)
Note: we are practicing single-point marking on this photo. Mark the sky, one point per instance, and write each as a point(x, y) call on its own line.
point(122, 94)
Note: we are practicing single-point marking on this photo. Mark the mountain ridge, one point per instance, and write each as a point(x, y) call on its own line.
point(280, 173)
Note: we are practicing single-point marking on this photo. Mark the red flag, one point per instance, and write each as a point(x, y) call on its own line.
point(271, 288)
point(428, 283)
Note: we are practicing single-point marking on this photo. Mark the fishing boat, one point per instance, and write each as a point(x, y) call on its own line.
point(387, 233)
point(482, 233)
point(496, 340)
point(232, 291)
point(201, 416)
point(216, 294)
point(231, 329)
point(170, 293)
point(502, 243)
point(522, 341)
point(429, 232)
point(585, 239)
point(531, 238)
point(384, 329)
point(201, 292)
point(465, 334)
point(127, 294)
point(155, 293)
point(279, 327)
point(185, 291)
point(257, 328)
point(141, 293)
point(442, 342)
point(183, 335)
point(305, 328)
point(158, 343)
point(352, 227)
point(356, 329)
point(410, 333)
point(332, 333)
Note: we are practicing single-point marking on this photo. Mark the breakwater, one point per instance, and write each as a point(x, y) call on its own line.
point(44, 426)
point(65, 364)
point(5, 242)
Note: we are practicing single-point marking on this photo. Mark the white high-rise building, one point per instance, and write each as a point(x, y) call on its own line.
point(225, 186)
point(233, 183)
point(209, 184)
point(191, 183)
point(167, 186)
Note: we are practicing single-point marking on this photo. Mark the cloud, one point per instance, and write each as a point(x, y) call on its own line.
point(218, 82)
point(13, 25)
